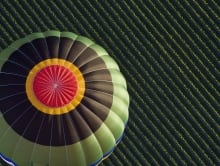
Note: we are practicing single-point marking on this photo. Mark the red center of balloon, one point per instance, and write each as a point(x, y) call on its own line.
point(55, 86)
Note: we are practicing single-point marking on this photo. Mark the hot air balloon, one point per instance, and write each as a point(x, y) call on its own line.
point(63, 101)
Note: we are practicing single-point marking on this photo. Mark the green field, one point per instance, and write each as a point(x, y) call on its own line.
point(169, 53)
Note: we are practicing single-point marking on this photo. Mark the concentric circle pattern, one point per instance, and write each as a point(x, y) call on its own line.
point(55, 86)
point(62, 94)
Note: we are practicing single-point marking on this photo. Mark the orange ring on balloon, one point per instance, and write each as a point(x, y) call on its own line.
point(55, 110)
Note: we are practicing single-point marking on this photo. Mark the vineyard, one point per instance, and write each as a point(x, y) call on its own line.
point(169, 53)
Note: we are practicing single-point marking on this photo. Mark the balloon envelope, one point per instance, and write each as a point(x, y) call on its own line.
point(63, 101)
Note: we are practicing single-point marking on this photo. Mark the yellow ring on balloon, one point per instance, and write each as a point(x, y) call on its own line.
point(55, 110)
